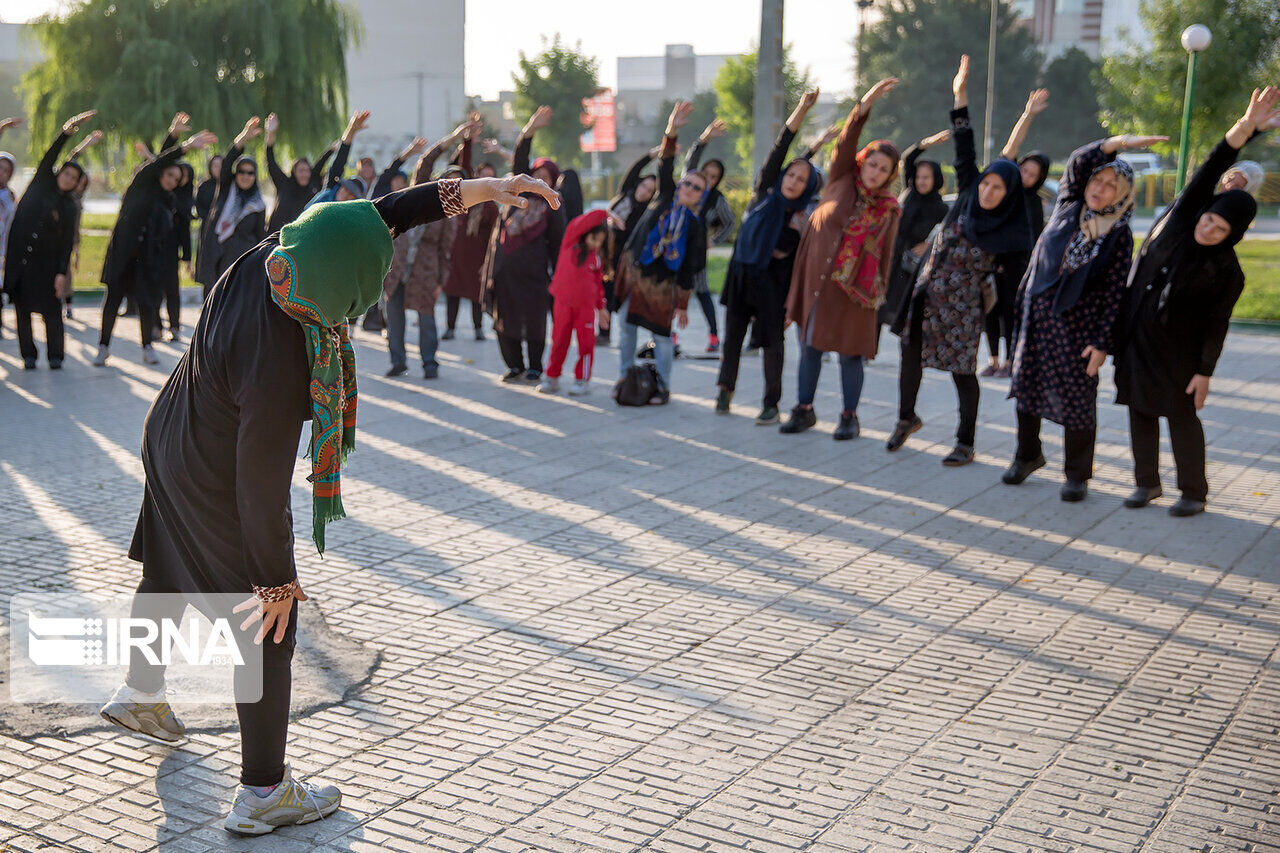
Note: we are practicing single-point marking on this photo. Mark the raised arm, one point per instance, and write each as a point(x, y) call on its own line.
point(423, 203)
point(966, 157)
point(815, 147)
point(278, 176)
point(318, 168)
point(87, 143)
point(524, 144)
point(582, 224)
point(667, 163)
point(844, 158)
point(1036, 103)
point(1261, 114)
point(49, 162)
point(359, 121)
point(771, 169)
point(632, 179)
point(694, 157)
point(152, 170)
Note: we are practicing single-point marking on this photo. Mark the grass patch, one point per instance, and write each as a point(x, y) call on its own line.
point(1260, 260)
point(93, 250)
point(716, 269)
point(97, 221)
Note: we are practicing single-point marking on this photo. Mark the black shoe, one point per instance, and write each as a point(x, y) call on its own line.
point(1021, 469)
point(1142, 496)
point(802, 417)
point(1185, 507)
point(398, 371)
point(768, 415)
point(723, 398)
point(1073, 491)
point(660, 398)
point(28, 364)
point(55, 364)
point(901, 431)
point(447, 336)
point(532, 376)
point(513, 375)
point(848, 427)
point(480, 334)
point(961, 454)
point(430, 371)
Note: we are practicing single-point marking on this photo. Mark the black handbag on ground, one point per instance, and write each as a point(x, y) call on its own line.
point(638, 386)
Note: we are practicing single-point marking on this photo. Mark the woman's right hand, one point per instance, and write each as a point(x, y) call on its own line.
point(960, 83)
point(878, 91)
point(72, 124)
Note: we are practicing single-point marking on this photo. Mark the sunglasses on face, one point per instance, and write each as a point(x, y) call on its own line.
point(243, 172)
point(691, 185)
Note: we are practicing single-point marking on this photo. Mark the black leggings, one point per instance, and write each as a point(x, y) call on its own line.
point(708, 311)
point(173, 304)
point(735, 332)
point(451, 306)
point(264, 725)
point(1001, 319)
point(54, 331)
point(1186, 434)
point(148, 317)
point(514, 357)
point(911, 373)
point(1078, 447)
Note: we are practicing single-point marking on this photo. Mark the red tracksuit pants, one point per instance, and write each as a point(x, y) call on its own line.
point(567, 320)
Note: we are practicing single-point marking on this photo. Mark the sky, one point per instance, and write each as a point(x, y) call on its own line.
point(820, 32)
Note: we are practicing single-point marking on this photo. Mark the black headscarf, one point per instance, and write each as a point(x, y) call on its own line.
point(920, 211)
point(570, 189)
point(1006, 228)
point(1238, 208)
point(1035, 209)
point(713, 190)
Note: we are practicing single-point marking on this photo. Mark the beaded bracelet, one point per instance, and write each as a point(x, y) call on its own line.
point(451, 197)
point(272, 594)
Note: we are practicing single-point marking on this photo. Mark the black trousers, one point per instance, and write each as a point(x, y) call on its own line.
point(1078, 447)
point(911, 372)
point(54, 331)
point(1186, 434)
point(735, 332)
point(451, 306)
point(173, 304)
point(513, 355)
point(264, 725)
point(148, 317)
point(709, 311)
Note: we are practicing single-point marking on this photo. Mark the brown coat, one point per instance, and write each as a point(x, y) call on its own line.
point(422, 282)
point(840, 324)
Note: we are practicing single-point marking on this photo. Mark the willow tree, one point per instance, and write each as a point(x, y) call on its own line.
point(222, 61)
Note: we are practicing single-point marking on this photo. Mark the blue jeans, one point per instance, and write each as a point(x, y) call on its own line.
point(811, 367)
point(393, 312)
point(663, 354)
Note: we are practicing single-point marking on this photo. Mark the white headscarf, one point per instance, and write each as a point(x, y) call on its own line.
point(1254, 175)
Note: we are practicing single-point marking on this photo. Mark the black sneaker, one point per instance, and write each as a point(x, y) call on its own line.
point(398, 371)
point(28, 364)
point(961, 454)
point(1142, 496)
point(447, 336)
point(1074, 491)
point(723, 398)
point(55, 364)
point(848, 427)
point(513, 375)
point(802, 417)
point(901, 431)
point(533, 377)
point(479, 334)
point(768, 415)
point(430, 371)
point(1185, 508)
point(1020, 469)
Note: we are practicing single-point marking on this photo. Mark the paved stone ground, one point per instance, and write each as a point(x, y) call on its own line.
point(606, 629)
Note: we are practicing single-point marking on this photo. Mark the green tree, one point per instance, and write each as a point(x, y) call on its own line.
point(1146, 84)
point(735, 86)
point(1072, 117)
point(560, 77)
point(920, 42)
point(138, 61)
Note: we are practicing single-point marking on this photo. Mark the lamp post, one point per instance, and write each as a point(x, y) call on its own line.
point(989, 118)
point(1195, 38)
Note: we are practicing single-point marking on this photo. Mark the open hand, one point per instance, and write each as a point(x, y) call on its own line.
point(714, 130)
point(72, 124)
point(938, 138)
point(91, 140)
point(181, 124)
point(359, 121)
point(1261, 105)
point(273, 124)
point(200, 141)
point(679, 116)
point(1130, 142)
point(960, 83)
point(1036, 102)
point(7, 123)
point(252, 128)
point(507, 190)
point(541, 118)
point(274, 614)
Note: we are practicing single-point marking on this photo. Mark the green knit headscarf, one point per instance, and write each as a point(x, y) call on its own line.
point(329, 268)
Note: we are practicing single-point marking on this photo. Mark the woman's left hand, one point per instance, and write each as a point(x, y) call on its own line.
point(507, 190)
point(1096, 358)
point(1199, 389)
point(682, 317)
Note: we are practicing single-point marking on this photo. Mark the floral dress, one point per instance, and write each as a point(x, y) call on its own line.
point(949, 292)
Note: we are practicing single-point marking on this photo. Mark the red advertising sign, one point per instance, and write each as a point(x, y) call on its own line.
point(598, 117)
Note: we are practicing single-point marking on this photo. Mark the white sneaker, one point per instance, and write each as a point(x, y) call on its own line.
point(291, 803)
point(147, 714)
point(549, 384)
point(580, 388)
point(149, 355)
point(100, 360)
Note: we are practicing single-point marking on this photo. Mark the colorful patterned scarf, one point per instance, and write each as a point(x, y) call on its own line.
point(328, 269)
point(859, 280)
point(666, 240)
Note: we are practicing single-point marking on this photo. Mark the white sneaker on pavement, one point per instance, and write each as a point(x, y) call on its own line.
point(291, 802)
point(100, 360)
point(580, 388)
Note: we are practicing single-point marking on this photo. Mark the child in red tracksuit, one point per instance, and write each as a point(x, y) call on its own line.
point(578, 291)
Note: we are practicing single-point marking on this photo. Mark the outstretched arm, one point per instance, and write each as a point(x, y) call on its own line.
point(667, 164)
point(966, 162)
point(49, 162)
point(1261, 114)
point(524, 145)
point(418, 205)
point(844, 158)
point(1036, 103)
point(772, 167)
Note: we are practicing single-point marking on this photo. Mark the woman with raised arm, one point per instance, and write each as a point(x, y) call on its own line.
point(145, 247)
point(336, 187)
point(634, 194)
point(941, 323)
point(38, 253)
point(842, 268)
point(269, 353)
point(755, 287)
point(922, 209)
point(293, 190)
point(1067, 303)
point(1174, 317)
point(718, 219)
point(661, 260)
point(470, 242)
point(521, 258)
point(238, 219)
point(1034, 170)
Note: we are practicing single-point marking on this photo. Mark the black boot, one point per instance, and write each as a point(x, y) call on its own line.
point(1020, 470)
point(1142, 496)
point(1186, 507)
point(802, 417)
point(848, 427)
point(1074, 491)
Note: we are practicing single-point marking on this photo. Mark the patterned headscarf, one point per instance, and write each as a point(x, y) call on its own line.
point(666, 240)
point(329, 268)
point(1096, 224)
